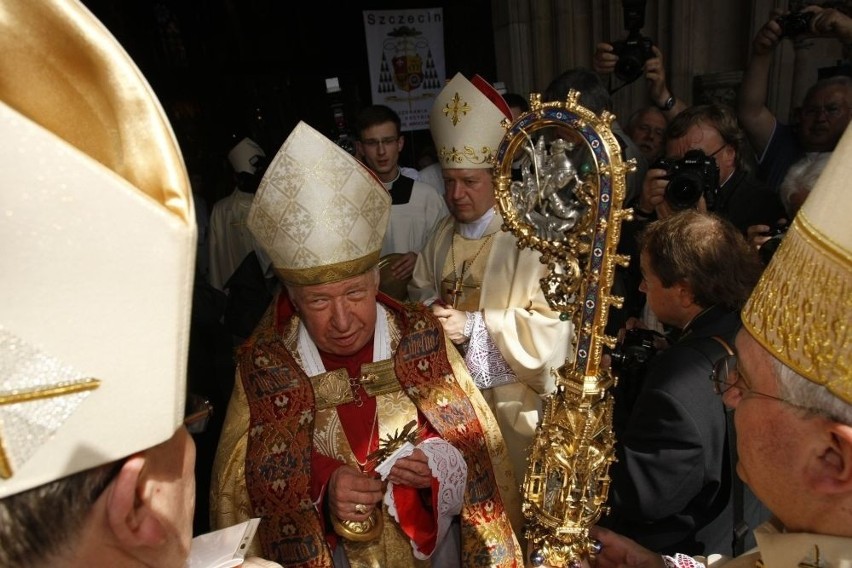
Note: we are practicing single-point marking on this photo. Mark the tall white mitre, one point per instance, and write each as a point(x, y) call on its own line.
point(98, 250)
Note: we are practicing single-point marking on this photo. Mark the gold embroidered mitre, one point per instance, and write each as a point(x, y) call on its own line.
point(466, 123)
point(801, 310)
point(319, 213)
point(98, 238)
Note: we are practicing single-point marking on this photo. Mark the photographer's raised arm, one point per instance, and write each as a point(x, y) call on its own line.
point(658, 89)
point(754, 116)
point(605, 59)
point(829, 22)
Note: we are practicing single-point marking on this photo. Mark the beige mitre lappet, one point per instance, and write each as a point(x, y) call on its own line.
point(318, 213)
point(98, 238)
point(466, 123)
point(801, 309)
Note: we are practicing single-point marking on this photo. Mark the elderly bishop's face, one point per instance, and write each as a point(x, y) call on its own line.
point(340, 317)
point(773, 436)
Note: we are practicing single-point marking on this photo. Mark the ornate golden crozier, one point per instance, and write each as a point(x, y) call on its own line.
point(565, 201)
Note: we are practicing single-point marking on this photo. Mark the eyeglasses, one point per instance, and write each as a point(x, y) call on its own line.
point(831, 111)
point(722, 147)
point(375, 142)
point(727, 375)
point(198, 413)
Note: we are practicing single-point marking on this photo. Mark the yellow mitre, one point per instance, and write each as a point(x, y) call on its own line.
point(801, 310)
point(98, 238)
point(466, 123)
point(319, 214)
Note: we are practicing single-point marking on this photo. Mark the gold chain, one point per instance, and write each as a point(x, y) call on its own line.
point(458, 276)
point(373, 429)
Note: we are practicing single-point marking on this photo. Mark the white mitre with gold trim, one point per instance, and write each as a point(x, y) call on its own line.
point(801, 310)
point(466, 123)
point(244, 155)
point(98, 238)
point(319, 213)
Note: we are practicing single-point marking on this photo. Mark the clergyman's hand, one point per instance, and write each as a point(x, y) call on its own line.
point(412, 470)
point(404, 266)
point(347, 489)
point(453, 321)
point(620, 552)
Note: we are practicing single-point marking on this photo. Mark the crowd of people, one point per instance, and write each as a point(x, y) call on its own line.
point(393, 345)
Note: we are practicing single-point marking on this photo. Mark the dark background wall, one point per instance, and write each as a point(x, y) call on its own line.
point(224, 69)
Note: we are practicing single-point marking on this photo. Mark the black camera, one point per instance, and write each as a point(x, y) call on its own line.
point(635, 350)
point(795, 23)
point(690, 177)
point(767, 249)
point(634, 51)
point(632, 54)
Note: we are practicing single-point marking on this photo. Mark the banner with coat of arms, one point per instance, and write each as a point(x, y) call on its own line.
point(405, 49)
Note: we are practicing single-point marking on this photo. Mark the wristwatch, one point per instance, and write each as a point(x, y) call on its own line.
point(668, 105)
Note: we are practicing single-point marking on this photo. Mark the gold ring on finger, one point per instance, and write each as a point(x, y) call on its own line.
point(360, 508)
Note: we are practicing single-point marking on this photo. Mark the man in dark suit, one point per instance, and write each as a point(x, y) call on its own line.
point(672, 484)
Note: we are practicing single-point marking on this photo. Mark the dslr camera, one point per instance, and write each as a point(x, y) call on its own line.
point(632, 54)
point(690, 177)
point(794, 23)
point(634, 51)
point(635, 350)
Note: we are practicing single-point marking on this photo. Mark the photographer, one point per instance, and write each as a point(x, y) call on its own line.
point(605, 61)
point(672, 483)
point(797, 185)
point(712, 179)
point(826, 110)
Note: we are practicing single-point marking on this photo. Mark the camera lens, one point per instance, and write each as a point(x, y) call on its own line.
point(684, 190)
point(629, 67)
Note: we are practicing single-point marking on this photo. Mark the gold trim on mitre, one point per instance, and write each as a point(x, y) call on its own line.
point(319, 214)
point(801, 309)
point(328, 273)
point(466, 125)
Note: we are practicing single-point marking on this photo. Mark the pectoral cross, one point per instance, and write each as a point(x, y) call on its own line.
point(458, 287)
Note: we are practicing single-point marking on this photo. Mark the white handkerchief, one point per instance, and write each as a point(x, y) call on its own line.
point(403, 451)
